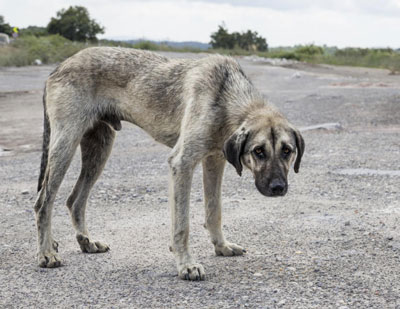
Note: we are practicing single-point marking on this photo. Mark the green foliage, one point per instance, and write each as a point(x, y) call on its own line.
point(222, 39)
point(385, 58)
point(27, 49)
point(55, 48)
point(146, 45)
point(5, 27)
point(33, 30)
point(34, 43)
point(249, 40)
point(75, 24)
point(290, 55)
point(309, 50)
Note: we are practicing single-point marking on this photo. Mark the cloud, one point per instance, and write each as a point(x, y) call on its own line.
point(361, 23)
point(385, 7)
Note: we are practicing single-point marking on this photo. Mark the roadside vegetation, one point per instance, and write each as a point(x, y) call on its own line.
point(72, 30)
point(55, 48)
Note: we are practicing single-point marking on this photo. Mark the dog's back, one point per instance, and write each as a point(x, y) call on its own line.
point(141, 87)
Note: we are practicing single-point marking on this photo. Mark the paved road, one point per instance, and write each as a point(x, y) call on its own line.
point(332, 242)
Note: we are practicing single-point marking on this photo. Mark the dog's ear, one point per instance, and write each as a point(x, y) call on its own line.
point(300, 145)
point(234, 147)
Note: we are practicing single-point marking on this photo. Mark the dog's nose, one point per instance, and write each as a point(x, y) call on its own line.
point(277, 186)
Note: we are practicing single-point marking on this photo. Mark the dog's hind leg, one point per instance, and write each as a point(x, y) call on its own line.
point(96, 147)
point(61, 151)
point(213, 169)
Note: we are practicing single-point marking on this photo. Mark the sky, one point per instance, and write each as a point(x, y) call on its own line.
point(342, 23)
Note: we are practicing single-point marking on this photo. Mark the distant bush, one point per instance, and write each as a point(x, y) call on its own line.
point(5, 27)
point(362, 52)
point(49, 49)
point(55, 48)
point(290, 55)
point(309, 50)
point(148, 46)
point(385, 58)
point(33, 30)
point(248, 40)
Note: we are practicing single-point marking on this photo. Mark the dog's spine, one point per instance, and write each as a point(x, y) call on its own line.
point(46, 141)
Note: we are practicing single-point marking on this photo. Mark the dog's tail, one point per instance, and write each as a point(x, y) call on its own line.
point(46, 141)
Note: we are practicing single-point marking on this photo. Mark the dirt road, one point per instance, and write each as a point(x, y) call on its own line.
point(332, 242)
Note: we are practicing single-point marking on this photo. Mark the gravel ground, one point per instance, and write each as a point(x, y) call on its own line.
point(332, 242)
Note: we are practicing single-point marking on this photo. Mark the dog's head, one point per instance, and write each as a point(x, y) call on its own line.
point(267, 145)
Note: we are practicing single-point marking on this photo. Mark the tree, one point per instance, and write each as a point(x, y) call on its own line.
point(75, 24)
point(222, 38)
point(249, 40)
point(5, 27)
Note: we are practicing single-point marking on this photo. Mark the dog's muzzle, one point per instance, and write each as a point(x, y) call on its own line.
point(276, 187)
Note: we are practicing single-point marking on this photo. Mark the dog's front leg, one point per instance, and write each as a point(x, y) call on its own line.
point(181, 172)
point(213, 169)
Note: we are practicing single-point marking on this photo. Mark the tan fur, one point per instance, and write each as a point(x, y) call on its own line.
point(201, 108)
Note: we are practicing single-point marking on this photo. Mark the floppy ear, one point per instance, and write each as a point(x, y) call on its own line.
point(300, 149)
point(233, 149)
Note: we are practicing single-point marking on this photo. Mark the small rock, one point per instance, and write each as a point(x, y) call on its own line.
point(37, 62)
point(257, 274)
point(395, 245)
point(296, 75)
point(25, 192)
point(5, 151)
point(330, 126)
point(347, 223)
point(282, 302)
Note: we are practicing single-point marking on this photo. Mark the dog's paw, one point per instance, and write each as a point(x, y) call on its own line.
point(229, 249)
point(49, 259)
point(193, 272)
point(88, 246)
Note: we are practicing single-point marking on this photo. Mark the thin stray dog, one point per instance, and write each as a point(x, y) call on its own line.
point(204, 109)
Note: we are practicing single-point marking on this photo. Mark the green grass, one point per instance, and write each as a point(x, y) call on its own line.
point(373, 58)
point(360, 57)
point(49, 49)
point(55, 48)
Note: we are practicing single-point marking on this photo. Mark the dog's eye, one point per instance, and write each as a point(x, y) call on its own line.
point(259, 152)
point(286, 151)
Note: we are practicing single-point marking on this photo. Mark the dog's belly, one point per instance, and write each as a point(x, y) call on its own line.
point(168, 139)
point(161, 124)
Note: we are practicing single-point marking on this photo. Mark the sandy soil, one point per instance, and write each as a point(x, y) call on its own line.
point(332, 242)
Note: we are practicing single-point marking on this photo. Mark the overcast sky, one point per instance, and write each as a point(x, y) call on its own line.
point(364, 23)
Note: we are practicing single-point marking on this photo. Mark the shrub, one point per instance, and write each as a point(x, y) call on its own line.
point(49, 49)
point(309, 50)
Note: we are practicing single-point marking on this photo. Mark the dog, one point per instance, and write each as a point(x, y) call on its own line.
point(207, 110)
